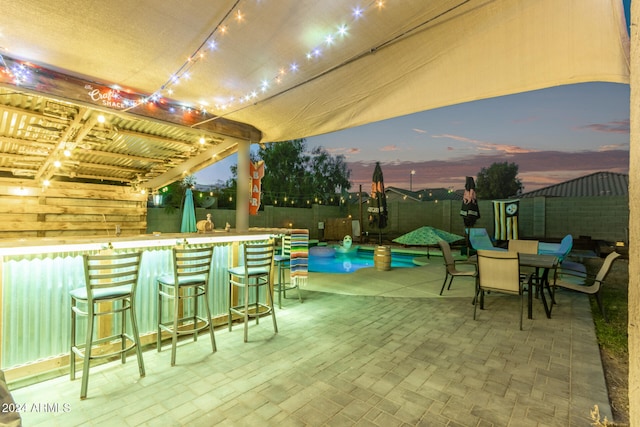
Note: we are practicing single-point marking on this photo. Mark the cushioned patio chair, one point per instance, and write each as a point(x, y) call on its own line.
point(561, 250)
point(450, 267)
point(479, 240)
point(587, 284)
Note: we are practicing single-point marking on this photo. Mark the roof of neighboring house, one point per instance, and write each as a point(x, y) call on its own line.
point(430, 194)
point(406, 194)
point(426, 195)
point(596, 184)
point(354, 197)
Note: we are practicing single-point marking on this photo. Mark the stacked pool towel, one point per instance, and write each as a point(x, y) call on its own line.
point(299, 257)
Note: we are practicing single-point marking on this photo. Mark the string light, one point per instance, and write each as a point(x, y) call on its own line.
point(20, 72)
point(211, 43)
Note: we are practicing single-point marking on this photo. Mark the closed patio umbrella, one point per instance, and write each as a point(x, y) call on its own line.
point(469, 211)
point(188, 214)
point(378, 213)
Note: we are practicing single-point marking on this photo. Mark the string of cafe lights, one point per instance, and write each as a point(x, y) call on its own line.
point(357, 13)
point(284, 200)
point(21, 72)
point(212, 43)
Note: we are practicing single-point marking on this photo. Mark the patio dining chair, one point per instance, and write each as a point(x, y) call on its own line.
point(522, 246)
point(450, 266)
point(586, 283)
point(498, 272)
point(480, 240)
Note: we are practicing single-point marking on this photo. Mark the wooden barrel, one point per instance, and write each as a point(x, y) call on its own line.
point(382, 258)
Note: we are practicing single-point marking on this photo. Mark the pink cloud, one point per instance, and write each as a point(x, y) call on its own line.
point(484, 145)
point(343, 151)
point(620, 126)
point(613, 147)
point(389, 148)
point(536, 168)
point(458, 138)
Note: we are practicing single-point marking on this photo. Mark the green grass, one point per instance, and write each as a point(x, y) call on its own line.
point(612, 335)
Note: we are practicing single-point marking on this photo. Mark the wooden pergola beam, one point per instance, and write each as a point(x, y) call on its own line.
point(51, 83)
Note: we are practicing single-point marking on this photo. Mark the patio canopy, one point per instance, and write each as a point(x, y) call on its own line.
point(180, 83)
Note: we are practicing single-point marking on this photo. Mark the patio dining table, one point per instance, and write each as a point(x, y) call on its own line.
point(543, 265)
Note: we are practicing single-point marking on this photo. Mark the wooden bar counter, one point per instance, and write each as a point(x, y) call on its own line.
point(37, 275)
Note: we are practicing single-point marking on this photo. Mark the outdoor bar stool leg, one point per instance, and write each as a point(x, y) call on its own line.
point(123, 331)
point(195, 313)
point(229, 317)
point(136, 338)
point(257, 309)
point(280, 283)
point(273, 311)
point(87, 353)
point(174, 331)
point(208, 310)
point(159, 333)
point(246, 313)
point(72, 354)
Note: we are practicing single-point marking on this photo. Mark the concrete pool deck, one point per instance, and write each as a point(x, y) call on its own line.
point(369, 348)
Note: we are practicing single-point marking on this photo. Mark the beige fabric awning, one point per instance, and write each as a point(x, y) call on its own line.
point(395, 58)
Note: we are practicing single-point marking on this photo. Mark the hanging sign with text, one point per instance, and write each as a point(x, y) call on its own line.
point(257, 172)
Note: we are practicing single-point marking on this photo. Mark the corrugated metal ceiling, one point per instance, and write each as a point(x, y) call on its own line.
point(46, 139)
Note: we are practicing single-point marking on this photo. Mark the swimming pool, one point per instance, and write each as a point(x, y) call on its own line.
point(348, 263)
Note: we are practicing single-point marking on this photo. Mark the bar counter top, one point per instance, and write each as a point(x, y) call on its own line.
point(64, 244)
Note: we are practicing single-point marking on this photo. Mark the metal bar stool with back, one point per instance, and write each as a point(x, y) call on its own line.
point(110, 289)
point(256, 274)
point(188, 283)
point(292, 244)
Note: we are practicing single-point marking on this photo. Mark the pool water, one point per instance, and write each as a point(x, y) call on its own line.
point(348, 263)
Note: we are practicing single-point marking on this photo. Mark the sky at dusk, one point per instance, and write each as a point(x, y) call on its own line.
point(553, 135)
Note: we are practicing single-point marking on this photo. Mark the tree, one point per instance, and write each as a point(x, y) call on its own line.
point(498, 181)
point(295, 177)
point(301, 177)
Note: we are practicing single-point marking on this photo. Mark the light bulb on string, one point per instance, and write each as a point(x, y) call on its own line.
point(223, 29)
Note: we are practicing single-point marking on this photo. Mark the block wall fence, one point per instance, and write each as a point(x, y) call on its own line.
point(548, 218)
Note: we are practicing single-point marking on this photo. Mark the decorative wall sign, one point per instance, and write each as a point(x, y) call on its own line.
point(257, 173)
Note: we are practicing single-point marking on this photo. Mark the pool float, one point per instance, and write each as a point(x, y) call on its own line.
point(346, 247)
point(322, 251)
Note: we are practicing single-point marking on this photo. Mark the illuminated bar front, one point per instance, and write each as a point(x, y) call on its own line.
point(37, 275)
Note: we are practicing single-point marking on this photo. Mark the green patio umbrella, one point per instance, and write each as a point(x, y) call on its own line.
point(426, 236)
point(188, 214)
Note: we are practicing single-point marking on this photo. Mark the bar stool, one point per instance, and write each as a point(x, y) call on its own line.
point(255, 273)
point(283, 263)
point(110, 290)
point(187, 283)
